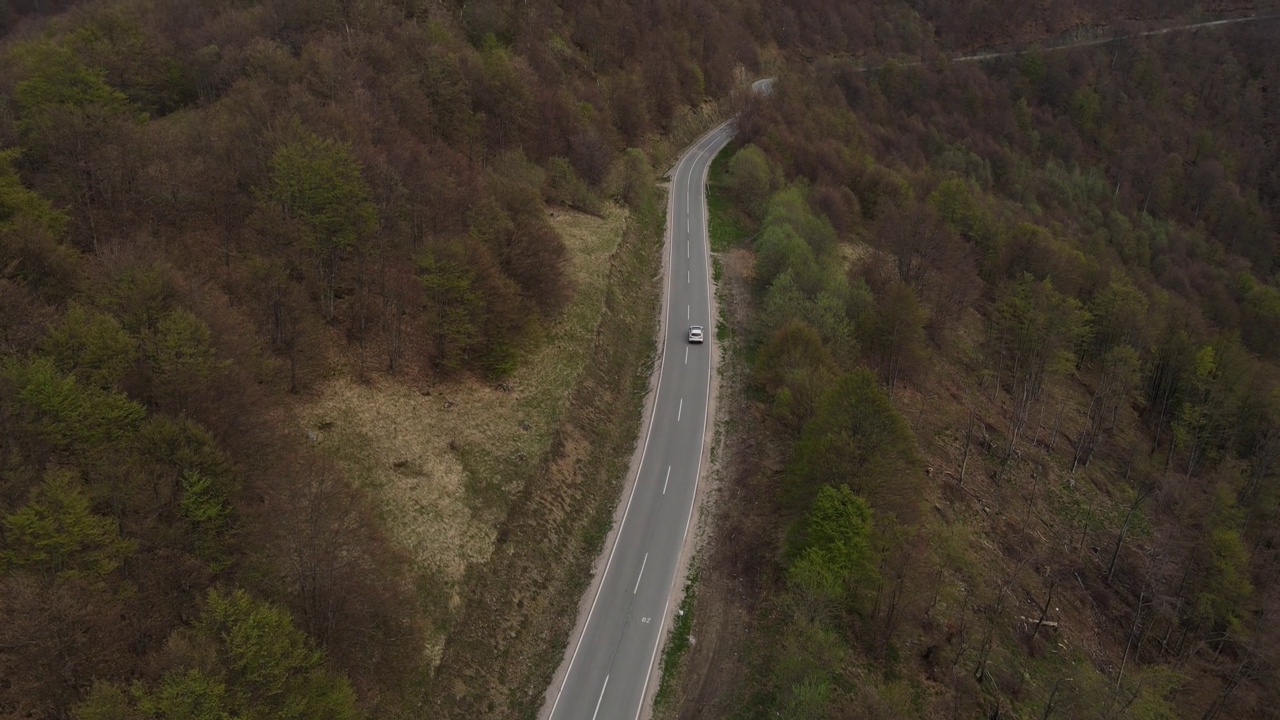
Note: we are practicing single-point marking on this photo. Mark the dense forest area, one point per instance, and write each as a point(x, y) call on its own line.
point(208, 208)
point(1014, 329)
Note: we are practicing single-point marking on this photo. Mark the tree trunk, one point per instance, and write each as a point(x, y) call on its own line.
point(1137, 623)
point(395, 338)
point(1124, 530)
point(1219, 703)
point(891, 612)
point(328, 293)
point(1052, 702)
point(1142, 636)
point(362, 310)
point(1044, 611)
point(968, 440)
point(1039, 424)
point(1079, 451)
point(937, 588)
point(1057, 425)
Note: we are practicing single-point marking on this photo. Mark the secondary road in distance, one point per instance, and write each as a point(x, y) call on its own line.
point(611, 661)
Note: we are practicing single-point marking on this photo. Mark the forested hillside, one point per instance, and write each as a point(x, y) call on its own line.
point(208, 209)
point(1012, 331)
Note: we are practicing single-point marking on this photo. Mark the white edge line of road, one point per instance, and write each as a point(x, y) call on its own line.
point(646, 702)
point(669, 261)
point(602, 689)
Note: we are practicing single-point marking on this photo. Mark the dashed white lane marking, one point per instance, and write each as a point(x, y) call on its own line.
point(653, 656)
point(642, 564)
point(688, 277)
point(680, 410)
point(597, 712)
point(686, 356)
point(665, 481)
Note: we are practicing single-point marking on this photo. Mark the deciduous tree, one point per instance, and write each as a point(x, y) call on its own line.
point(834, 558)
point(73, 123)
point(453, 306)
point(317, 183)
point(1035, 331)
point(749, 179)
point(856, 437)
point(796, 368)
point(898, 338)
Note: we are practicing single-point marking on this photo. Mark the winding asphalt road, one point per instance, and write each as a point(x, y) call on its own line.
point(610, 662)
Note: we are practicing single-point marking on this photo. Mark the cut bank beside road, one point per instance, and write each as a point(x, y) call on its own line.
point(516, 609)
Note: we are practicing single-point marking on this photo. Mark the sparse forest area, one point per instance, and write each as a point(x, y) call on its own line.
point(1013, 337)
point(208, 209)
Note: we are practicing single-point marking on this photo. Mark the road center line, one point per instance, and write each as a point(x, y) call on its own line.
point(642, 564)
point(664, 484)
point(718, 139)
point(713, 142)
point(597, 712)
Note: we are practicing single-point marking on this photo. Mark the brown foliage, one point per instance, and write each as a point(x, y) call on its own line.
point(56, 636)
point(341, 577)
point(932, 261)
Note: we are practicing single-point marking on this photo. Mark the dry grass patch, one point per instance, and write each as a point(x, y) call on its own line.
point(852, 253)
point(507, 637)
point(444, 463)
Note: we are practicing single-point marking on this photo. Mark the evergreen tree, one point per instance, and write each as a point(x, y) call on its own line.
point(57, 533)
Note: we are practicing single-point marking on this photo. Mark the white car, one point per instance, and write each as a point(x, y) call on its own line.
point(695, 334)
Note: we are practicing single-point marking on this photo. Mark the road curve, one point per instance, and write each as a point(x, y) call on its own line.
point(608, 665)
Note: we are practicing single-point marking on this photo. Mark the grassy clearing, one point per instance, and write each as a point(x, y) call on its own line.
point(444, 463)
point(724, 222)
point(678, 643)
